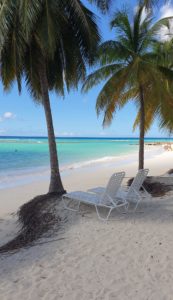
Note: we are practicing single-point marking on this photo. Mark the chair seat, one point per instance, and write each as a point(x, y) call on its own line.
point(121, 195)
point(84, 197)
point(97, 190)
point(131, 197)
point(94, 199)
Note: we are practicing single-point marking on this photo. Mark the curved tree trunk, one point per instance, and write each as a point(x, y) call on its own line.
point(142, 130)
point(55, 179)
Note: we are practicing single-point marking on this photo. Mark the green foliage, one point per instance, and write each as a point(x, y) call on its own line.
point(164, 54)
point(129, 63)
point(61, 34)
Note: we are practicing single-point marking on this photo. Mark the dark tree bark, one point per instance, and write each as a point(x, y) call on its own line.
point(142, 130)
point(55, 179)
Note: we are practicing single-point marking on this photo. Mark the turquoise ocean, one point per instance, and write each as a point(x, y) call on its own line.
point(20, 157)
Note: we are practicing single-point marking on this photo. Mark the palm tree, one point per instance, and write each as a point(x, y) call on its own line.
point(129, 68)
point(163, 52)
point(48, 43)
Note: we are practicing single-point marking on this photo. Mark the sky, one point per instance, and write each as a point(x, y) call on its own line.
point(75, 115)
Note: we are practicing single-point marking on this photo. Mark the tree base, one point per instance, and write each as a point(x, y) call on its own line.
point(58, 194)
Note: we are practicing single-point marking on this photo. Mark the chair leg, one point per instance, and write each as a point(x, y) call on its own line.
point(149, 199)
point(126, 207)
point(136, 205)
point(107, 217)
point(67, 202)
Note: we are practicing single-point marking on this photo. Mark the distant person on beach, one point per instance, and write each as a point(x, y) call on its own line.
point(168, 147)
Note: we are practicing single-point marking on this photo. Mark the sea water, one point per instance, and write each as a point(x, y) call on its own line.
point(21, 157)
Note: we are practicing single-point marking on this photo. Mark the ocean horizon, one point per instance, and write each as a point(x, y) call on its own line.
point(82, 137)
point(23, 156)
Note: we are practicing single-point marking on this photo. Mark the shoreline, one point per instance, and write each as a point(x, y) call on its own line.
point(84, 178)
point(25, 176)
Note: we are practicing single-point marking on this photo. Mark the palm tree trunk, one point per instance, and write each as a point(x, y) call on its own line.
point(142, 129)
point(55, 179)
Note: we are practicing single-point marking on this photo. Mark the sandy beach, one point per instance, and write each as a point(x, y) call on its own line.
point(129, 257)
point(86, 104)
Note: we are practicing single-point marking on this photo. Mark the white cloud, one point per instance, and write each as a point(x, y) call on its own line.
point(2, 131)
point(102, 133)
point(7, 116)
point(65, 134)
point(145, 12)
point(166, 10)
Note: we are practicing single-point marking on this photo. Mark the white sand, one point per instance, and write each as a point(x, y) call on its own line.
point(157, 160)
point(130, 257)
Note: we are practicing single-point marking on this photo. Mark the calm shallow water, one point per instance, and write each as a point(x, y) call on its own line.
point(21, 156)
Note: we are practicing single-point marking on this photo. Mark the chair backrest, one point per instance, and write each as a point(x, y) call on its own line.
point(137, 182)
point(112, 187)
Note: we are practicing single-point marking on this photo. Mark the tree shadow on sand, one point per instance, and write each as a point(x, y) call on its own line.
point(40, 217)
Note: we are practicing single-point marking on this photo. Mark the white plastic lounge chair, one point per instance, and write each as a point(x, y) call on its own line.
point(133, 193)
point(106, 200)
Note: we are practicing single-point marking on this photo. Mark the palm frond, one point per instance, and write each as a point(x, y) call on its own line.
point(111, 51)
point(62, 33)
point(150, 114)
point(103, 5)
point(111, 91)
point(100, 75)
point(121, 23)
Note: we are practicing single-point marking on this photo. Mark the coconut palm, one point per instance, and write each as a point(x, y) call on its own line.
point(48, 43)
point(164, 56)
point(129, 68)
